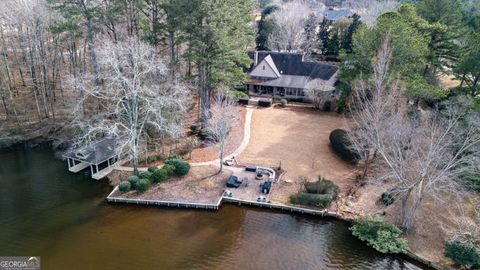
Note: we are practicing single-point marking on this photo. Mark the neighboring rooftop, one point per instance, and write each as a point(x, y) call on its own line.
point(337, 14)
point(293, 64)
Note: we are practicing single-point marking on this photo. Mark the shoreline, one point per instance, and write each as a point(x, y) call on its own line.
point(283, 208)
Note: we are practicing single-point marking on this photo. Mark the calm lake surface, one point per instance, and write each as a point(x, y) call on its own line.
point(64, 218)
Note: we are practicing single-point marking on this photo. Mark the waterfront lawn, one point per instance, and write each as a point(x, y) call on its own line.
point(201, 185)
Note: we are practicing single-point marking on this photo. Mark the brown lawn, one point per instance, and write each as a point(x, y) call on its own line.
point(298, 137)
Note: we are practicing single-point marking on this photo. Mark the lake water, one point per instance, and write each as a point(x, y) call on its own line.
point(64, 218)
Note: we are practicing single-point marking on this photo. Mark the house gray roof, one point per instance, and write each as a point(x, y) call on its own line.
point(284, 81)
point(293, 64)
point(335, 15)
point(96, 152)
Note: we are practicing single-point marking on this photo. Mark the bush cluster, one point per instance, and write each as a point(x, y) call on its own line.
point(145, 175)
point(322, 186)
point(387, 198)
point(341, 145)
point(124, 186)
point(152, 169)
point(385, 238)
point(181, 166)
point(143, 185)
point(159, 175)
point(133, 180)
point(283, 102)
point(462, 254)
point(319, 194)
point(309, 199)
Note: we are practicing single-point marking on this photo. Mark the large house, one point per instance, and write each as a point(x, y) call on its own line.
point(282, 74)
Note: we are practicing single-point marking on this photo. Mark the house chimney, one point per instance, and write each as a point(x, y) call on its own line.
point(255, 61)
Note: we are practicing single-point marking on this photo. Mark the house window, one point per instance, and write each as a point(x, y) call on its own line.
point(263, 67)
point(300, 92)
point(291, 92)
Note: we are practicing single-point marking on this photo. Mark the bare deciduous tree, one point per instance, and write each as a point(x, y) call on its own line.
point(222, 117)
point(370, 10)
point(421, 156)
point(290, 33)
point(136, 93)
point(317, 91)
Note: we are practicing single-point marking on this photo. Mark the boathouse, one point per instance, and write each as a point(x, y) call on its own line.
point(101, 156)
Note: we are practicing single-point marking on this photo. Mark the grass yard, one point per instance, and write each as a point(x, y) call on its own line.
point(298, 137)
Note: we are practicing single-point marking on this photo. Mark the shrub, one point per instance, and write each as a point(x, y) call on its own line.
point(283, 102)
point(181, 166)
point(152, 169)
point(143, 185)
point(145, 175)
point(385, 238)
point(318, 200)
point(341, 145)
point(133, 180)
point(387, 198)
point(327, 106)
point(159, 175)
point(124, 186)
point(169, 168)
point(159, 157)
point(174, 156)
point(462, 254)
point(151, 159)
point(322, 186)
point(194, 128)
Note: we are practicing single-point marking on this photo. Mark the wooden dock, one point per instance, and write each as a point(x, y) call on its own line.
point(216, 206)
point(177, 204)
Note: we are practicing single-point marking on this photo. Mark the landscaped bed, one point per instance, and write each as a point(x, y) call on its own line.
point(201, 185)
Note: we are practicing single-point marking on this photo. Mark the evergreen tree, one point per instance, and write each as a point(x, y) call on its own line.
point(347, 41)
point(324, 35)
point(446, 28)
point(217, 33)
point(265, 27)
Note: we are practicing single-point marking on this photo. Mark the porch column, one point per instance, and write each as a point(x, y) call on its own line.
point(96, 165)
point(91, 169)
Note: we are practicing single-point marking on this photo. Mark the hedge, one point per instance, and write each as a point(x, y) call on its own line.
point(170, 169)
point(462, 254)
point(124, 186)
point(322, 186)
point(385, 238)
point(159, 175)
point(341, 145)
point(318, 200)
point(181, 166)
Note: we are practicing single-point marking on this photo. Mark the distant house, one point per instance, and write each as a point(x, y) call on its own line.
point(333, 15)
point(285, 74)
